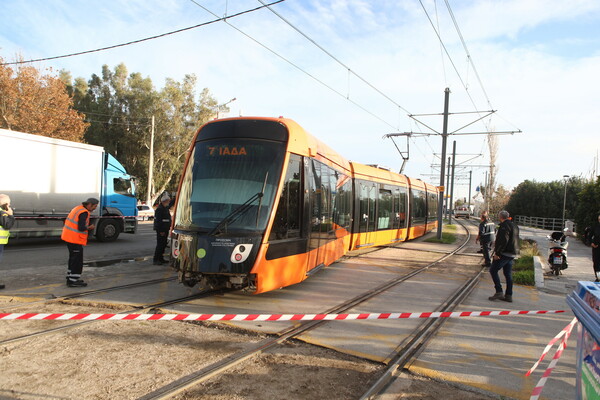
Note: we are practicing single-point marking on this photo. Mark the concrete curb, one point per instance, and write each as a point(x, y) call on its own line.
point(539, 272)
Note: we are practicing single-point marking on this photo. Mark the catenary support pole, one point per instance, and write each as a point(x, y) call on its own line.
point(470, 178)
point(452, 182)
point(442, 171)
point(447, 197)
point(150, 166)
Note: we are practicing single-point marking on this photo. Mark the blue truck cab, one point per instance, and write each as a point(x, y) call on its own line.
point(117, 200)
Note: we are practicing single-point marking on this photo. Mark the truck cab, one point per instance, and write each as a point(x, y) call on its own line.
point(118, 200)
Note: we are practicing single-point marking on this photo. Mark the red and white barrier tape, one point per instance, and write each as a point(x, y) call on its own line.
point(62, 217)
point(565, 333)
point(262, 317)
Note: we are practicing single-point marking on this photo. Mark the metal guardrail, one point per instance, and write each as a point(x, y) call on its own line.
point(551, 224)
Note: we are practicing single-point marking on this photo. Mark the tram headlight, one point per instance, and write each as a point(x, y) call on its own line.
point(175, 247)
point(240, 253)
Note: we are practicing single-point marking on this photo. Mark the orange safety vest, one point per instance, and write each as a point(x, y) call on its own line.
point(71, 232)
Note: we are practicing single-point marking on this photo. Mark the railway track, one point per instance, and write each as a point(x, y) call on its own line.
point(89, 292)
point(402, 356)
point(145, 308)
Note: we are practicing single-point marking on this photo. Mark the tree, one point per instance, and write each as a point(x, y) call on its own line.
point(499, 200)
point(38, 103)
point(120, 107)
point(546, 199)
point(491, 183)
point(588, 206)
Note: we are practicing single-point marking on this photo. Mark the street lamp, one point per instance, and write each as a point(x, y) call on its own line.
point(566, 177)
point(223, 105)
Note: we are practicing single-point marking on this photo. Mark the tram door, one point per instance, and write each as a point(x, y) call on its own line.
point(316, 213)
point(367, 193)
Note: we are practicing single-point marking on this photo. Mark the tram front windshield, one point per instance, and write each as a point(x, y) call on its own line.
point(224, 174)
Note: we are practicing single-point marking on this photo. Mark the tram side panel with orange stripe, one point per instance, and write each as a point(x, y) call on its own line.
point(381, 207)
point(262, 205)
point(311, 224)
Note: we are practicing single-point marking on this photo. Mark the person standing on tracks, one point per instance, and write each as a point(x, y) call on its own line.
point(162, 224)
point(486, 237)
point(506, 248)
point(7, 220)
point(595, 243)
point(75, 233)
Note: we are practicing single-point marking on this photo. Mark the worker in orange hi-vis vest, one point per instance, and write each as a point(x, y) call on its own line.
point(75, 233)
point(7, 220)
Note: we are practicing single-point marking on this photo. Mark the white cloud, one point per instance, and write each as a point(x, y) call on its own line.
point(535, 82)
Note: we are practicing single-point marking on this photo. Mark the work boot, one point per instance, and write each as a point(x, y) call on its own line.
point(507, 298)
point(497, 296)
point(77, 283)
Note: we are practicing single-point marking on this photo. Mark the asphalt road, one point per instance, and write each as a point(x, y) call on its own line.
point(27, 253)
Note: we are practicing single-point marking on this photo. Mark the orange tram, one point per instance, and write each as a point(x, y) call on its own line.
point(262, 204)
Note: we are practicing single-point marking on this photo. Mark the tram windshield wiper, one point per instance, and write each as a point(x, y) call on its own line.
point(236, 213)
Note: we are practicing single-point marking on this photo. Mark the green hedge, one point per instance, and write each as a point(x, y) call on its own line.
point(523, 271)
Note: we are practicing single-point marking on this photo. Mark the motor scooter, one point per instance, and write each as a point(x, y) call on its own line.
point(557, 252)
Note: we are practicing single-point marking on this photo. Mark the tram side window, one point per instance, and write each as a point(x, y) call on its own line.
point(287, 218)
point(418, 208)
point(402, 209)
point(342, 199)
point(384, 209)
point(316, 194)
point(399, 210)
point(327, 187)
point(432, 205)
point(367, 194)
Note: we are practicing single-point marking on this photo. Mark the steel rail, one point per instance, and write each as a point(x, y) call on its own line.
point(149, 307)
point(90, 292)
point(407, 353)
point(176, 387)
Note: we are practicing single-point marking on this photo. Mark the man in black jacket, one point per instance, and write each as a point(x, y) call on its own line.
point(162, 224)
point(486, 237)
point(506, 248)
point(594, 238)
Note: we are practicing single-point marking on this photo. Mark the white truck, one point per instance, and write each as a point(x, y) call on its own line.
point(45, 178)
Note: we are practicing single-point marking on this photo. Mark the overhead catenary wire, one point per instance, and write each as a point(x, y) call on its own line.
point(298, 67)
point(469, 58)
point(144, 39)
point(350, 71)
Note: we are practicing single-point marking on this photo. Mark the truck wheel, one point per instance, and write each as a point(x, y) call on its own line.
point(107, 230)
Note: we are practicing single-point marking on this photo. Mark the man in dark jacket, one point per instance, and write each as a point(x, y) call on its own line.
point(506, 248)
point(162, 224)
point(7, 220)
point(594, 238)
point(486, 237)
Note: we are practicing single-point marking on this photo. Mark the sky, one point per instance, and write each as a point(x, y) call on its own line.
point(352, 71)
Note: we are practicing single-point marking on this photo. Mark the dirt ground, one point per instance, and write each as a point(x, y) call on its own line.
point(128, 359)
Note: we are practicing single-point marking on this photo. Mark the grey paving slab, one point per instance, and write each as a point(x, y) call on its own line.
point(494, 353)
point(579, 259)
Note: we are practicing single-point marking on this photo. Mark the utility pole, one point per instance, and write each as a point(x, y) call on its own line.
point(444, 134)
point(444, 139)
point(566, 178)
point(447, 196)
point(470, 178)
point(452, 183)
point(485, 196)
point(150, 166)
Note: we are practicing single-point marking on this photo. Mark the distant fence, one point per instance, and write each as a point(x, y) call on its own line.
point(551, 224)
